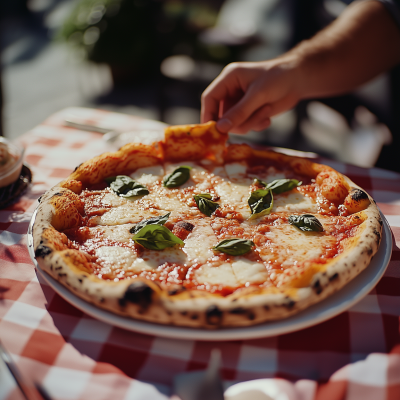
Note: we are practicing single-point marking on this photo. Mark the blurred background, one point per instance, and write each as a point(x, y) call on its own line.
point(153, 58)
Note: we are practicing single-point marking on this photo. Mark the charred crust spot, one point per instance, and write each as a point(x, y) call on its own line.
point(378, 235)
point(238, 310)
point(317, 287)
point(40, 199)
point(290, 303)
point(176, 290)
point(251, 316)
point(61, 274)
point(42, 251)
point(57, 194)
point(214, 315)
point(102, 300)
point(358, 195)
point(77, 166)
point(139, 293)
point(58, 268)
point(334, 277)
point(184, 313)
point(369, 252)
point(80, 280)
point(185, 225)
point(194, 316)
point(266, 308)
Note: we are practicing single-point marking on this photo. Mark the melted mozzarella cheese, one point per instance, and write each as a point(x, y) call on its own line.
point(234, 195)
point(119, 233)
point(168, 255)
point(152, 259)
point(216, 275)
point(164, 199)
point(111, 199)
point(288, 246)
point(116, 257)
point(220, 172)
point(249, 271)
point(237, 173)
point(148, 175)
point(294, 202)
point(125, 214)
point(199, 243)
point(270, 175)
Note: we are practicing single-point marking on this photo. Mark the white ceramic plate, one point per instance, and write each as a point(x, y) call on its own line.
point(340, 301)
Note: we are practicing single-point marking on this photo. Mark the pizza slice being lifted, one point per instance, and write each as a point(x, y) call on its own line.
point(195, 232)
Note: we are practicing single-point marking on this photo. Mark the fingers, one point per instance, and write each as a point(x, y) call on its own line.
point(219, 90)
point(249, 94)
point(249, 110)
point(257, 121)
point(209, 109)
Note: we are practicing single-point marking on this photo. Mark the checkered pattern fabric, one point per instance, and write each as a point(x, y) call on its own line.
point(355, 355)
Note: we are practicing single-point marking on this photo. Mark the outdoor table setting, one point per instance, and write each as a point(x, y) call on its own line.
point(347, 347)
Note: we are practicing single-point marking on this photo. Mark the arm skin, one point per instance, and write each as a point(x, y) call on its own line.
point(363, 42)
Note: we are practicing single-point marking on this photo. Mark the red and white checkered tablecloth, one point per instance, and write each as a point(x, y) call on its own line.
point(355, 355)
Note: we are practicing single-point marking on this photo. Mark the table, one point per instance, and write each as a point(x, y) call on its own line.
point(355, 355)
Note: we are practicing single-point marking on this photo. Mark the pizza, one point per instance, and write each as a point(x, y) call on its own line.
point(193, 232)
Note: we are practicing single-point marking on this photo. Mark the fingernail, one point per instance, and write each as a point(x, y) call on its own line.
point(224, 124)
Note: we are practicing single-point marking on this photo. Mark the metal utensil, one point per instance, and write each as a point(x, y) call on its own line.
point(87, 127)
point(31, 391)
point(201, 385)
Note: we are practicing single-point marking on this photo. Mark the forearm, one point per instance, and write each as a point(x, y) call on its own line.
point(359, 45)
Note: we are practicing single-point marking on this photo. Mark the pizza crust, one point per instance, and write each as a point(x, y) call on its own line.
point(60, 209)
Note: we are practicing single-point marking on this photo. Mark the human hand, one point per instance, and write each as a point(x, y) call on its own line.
point(247, 94)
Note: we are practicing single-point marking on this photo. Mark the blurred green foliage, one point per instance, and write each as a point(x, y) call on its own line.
point(141, 33)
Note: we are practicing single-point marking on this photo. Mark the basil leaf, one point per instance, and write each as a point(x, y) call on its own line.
point(178, 177)
point(205, 204)
point(261, 202)
point(282, 185)
point(234, 247)
point(151, 221)
point(278, 186)
point(156, 237)
point(124, 186)
point(306, 222)
point(259, 182)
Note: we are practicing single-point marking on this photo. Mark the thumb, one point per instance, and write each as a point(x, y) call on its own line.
point(239, 113)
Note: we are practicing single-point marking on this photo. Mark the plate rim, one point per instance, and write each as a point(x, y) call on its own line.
point(304, 319)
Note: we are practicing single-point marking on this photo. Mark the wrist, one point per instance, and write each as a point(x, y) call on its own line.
point(300, 61)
